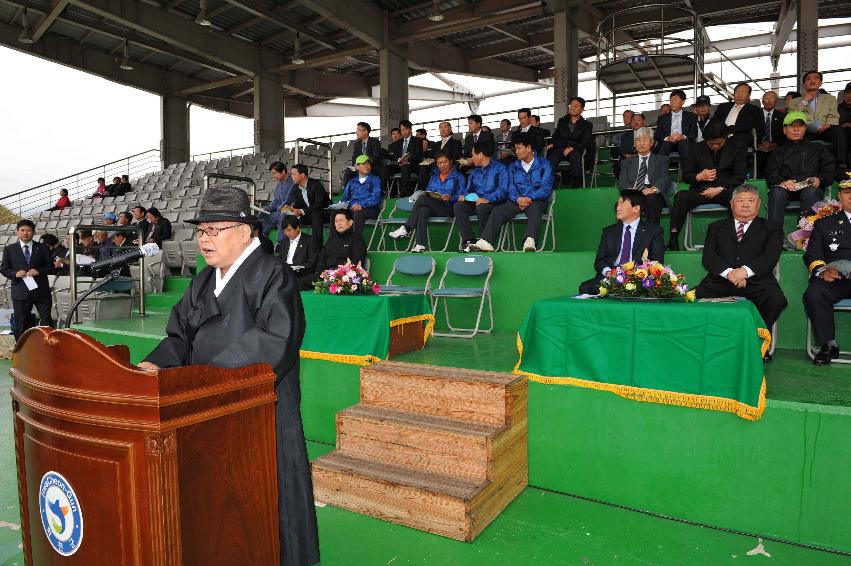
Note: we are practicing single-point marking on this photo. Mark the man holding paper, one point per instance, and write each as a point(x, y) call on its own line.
point(27, 264)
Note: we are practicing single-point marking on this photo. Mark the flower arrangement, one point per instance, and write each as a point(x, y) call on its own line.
point(346, 279)
point(801, 237)
point(649, 279)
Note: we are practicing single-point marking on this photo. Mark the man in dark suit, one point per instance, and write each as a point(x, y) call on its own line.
point(534, 134)
point(297, 251)
point(649, 174)
point(830, 241)
point(626, 143)
point(628, 239)
point(772, 131)
point(740, 254)
point(571, 138)
point(140, 219)
point(713, 168)
point(159, 227)
point(28, 262)
point(741, 118)
point(405, 156)
point(702, 109)
point(536, 121)
point(475, 134)
point(677, 129)
point(119, 244)
point(447, 144)
point(364, 145)
point(310, 201)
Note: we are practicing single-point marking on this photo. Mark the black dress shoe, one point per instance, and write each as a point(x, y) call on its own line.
point(826, 354)
point(673, 245)
point(766, 359)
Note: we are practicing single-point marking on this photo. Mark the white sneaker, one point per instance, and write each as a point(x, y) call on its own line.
point(399, 232)
point(481, 246)
point(418, 249)
point(529, 245)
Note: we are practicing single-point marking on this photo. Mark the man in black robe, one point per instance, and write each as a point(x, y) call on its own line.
point(244, 309)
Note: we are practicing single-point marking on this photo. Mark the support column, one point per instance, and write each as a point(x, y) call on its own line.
point(174, 118)
point(268, 114)
point(807, 38)
point(566, 62)
point(393, 104)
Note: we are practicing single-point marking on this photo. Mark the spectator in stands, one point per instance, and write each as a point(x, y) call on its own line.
point(572, 137)
point(395, 135)
point(844, 108)
point(363, 193)
point(309, 201)
point(364, 145)
point(772, 132)
point(798, 170)
point(626, 147)
point(823, 113)
point(109, 218)
point(114, 188)
point(744, 267)
point(298, 252)
point(647, 173)
point(103, 244)
point(343, 246)
point(626, 116)
point(405, 157)
point(530, 186)
point(140, 220)
point(62, 202)
point(281, 201)
point(790, 96)
point(626, 240)
point(487, 187)
point(712, 169)
point(741, 117)
point(118, 244)
point(536, 121)
point(442, 191)
point(502, 139)
point(86, 245)
point(159, 227)
point(448, 145)
point(535, 134)
point(126, 187)
point(422, 133)
point(125, 218)
point(676, 129)
point(475, 135)
point(100, 191)
point(701, 108)
point(58, 253)
point(28, 259)
point(664, 109)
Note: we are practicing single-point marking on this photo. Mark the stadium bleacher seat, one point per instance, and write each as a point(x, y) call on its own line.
point(468, 266)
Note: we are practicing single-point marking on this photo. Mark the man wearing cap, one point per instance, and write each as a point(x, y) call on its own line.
point(798, 170)
point(109, 218)
point(363, 193)
point(823, 118)
point(244, 308)
point(772, 135)
point(701, 108)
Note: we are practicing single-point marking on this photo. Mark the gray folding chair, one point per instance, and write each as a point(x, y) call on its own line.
point(688, 229)
point(413, 266)
point(508, 238)
point(466, 266)
point(403, 204)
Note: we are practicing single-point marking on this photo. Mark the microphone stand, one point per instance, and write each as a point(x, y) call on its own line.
point(113, 275)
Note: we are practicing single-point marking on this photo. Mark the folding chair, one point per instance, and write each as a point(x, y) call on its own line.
point(376, 224)
point(508, 237)
point(842, 306)
point(465, 266)
point(564, 165)
point(411, 265)
point(403, 204)
point(688, 229)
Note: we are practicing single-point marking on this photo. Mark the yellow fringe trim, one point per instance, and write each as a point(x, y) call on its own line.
point(708, 402)
point(813, 265)
point(428, 318)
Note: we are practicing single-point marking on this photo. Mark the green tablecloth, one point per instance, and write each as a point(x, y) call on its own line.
point(355, 329)
point(705, 355)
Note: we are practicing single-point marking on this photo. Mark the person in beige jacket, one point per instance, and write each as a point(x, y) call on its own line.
point(822, 110)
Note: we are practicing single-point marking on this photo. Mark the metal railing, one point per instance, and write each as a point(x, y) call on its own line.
point(328, 151)
point(210, 155)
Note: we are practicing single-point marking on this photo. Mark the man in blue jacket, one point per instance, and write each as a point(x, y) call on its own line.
point(363, 193)
point(530, 185)
point(489, 183)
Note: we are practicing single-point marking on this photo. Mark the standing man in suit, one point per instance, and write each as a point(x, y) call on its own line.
point(649, 174)
point(713, 168)
point(829, 242)
point(160, 227)
point(298, 251)
point(772, 133)
point(365, 145)
point(32, 262)
point(823, 113)
point(741, 117)
point(571, 139)
point(626, 240)
point(701, 108)
point(534, 134)
point(677, 129)
point(310, 201)
point(740, 254)
point(405, 156)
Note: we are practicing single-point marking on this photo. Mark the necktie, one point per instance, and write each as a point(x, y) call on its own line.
point(740, 231)
point(475, 138)
point(626, 250)
point(768, 127)
point(27, 253)
point(640, 181)
point(405, 146)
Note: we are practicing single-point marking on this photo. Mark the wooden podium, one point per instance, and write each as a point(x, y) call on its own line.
point(120, 466)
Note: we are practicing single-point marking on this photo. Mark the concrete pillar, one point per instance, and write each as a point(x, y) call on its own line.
point(566, 62)
point(393, 104)
point(268, 114)
point(807, 38)
point(174, 117)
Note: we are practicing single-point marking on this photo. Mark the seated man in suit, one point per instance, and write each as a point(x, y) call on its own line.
point(676, 129)
point(447, 145)
point(628, 239)
point(343, 246)
point(504, 146)
point(309, 201)
point(713, 168)
point(475, 135)
point(571, 139)
point(797, 161)
point(405, 156)
point(740, 254)
point(772, 131)
point(363, 193)
point(27, 258)
point(536, 121)
point(829, 242)
point(649, 174)
point(535, 134)
point(364, 145)
point(159, 227)
point(626, 143)
point(281, 200)
point(530, 185)
point(489, 182)
point(298, 251)
point(823, 124)
point(741, 117)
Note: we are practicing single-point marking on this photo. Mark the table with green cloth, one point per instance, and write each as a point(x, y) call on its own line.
point(706, 354)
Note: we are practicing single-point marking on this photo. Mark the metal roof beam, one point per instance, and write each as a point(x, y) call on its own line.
point(782, 29)
point(274, 17)
point(435, 57)
point(321, 85)
point(426, 31)
point(364, 21)
point(505, 47)
point(47, 19)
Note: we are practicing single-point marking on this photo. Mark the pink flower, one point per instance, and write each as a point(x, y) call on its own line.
point(333, 289)
point(376, 288)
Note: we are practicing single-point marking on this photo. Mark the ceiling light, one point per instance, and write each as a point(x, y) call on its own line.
point(296, 58)
point(435, 15)
point(125, 61)
point(202, 20)
point(26, 36)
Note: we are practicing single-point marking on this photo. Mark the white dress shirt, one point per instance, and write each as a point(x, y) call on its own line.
point(221, 282)
point(527, 166)
point(677, 122)
point(745, 226)
point(733, 115)
point(292, 248)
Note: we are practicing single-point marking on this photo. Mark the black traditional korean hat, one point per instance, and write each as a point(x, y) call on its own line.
point(225, 204)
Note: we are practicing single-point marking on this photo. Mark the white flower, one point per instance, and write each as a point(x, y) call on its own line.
point(354, 287)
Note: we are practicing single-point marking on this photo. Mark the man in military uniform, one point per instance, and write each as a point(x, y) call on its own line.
point(829, 242)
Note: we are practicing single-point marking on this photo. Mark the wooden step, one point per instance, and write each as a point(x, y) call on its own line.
point(419, 442)
point(475, 396)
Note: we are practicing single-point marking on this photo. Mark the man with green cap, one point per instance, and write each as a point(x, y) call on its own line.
point(363, 194)
point(797, 170)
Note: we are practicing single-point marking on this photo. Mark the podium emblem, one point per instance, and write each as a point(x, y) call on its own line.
point(61, 516)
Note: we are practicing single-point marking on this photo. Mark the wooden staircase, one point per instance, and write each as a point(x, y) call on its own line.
point(438, 449)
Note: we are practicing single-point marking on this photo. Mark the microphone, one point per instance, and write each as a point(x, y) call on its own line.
point(148, 250)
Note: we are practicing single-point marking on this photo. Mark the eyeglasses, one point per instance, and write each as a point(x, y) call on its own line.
point(212, 231)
